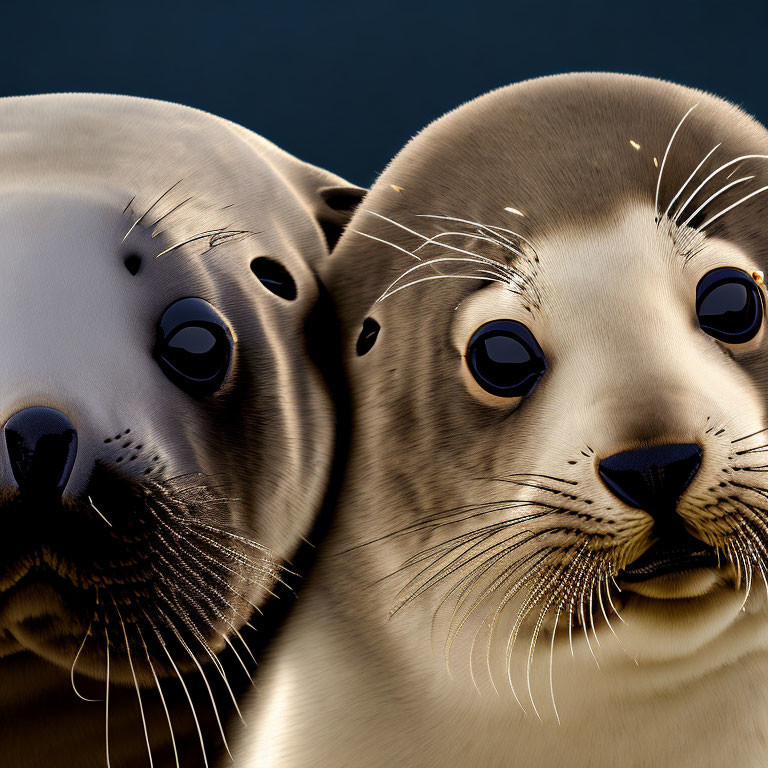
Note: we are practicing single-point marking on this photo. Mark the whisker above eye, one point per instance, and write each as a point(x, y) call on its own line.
point(713, 197)
point(664, 159)
point(712, 175)
point(427, 240)
point(442, 277)
point(475, 236)
point(491, 227)
point(387, 242)
point(731, 207)
point(141, 218)
point(498, 271)
point(688, 181)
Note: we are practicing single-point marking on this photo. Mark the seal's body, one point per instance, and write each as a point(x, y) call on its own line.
point(167, 434)
point(556, 357)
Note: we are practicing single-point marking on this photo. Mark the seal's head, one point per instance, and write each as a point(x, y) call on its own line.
point(167, 434)
point(555, 338)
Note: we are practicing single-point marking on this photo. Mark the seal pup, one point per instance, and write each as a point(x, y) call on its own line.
point(167, 427)
point(553, 311)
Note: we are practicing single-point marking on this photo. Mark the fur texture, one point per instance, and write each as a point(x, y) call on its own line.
point(465, 602)
point(181, 511)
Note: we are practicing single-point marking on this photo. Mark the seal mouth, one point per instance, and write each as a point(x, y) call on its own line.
point(671, 554)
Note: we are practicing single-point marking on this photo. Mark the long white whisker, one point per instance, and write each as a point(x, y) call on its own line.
point(529, 661)
point(583, 618)
point(186, 692)
point(426, 238)
point(496, 241)
point(491, 227)
point(237, 655)
point(731, 207)
point(162, 698)
point(688, 181)
point(106, 700)
point(607, 620)
point(712, 175)
point(387, 242)
point(438, 277)
point(204, 676)
point(551, 664)
point(209, 651)
point(482, 262)
point(714, 197)
point(98, 512)
point(74, 664)
point(664, 159)
point(136, 685)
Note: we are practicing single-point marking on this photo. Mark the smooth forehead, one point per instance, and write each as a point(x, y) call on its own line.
point(130, 151)
point(69, 242)
point(128, 141)
point(564, 148)
point(554, 155)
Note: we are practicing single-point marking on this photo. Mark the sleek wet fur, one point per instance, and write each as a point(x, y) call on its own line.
point(140, 587)
point(465, 607)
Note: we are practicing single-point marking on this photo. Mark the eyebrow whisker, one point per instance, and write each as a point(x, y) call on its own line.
point(443, 277)
point(500, 273)
point(713, 197)
point(491, 227)
point(713, 174)
point(664, 160)
point(731, 207)
point(168, 213)
point(688, 181)
point(141, 218)
point(386, 242)
point(475, 236)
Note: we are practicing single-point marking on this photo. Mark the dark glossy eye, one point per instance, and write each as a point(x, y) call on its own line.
point(729, 305)
point(194, 346)
point(505, 358)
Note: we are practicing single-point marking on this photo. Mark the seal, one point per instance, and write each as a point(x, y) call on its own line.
point(168, 426)
point(554, 334)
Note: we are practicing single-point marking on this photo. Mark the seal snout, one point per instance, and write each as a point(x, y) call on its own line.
point(654, 478)
point(42, 445)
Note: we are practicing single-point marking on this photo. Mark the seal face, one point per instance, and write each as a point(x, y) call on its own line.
point(167, 429)
point(561, 421)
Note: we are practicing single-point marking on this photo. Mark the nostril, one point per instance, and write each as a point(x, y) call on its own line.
point(652, 478)
point(42, 445)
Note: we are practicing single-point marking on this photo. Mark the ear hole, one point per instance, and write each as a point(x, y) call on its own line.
point(274, 277)
point(368, 336)
point(342, 198)
point(339, 205)
point(132, 263)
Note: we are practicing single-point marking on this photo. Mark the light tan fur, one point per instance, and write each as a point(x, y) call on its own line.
point(88, 180)
point(400, 652)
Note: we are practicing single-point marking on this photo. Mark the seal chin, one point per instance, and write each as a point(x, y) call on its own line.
point(41, 617)
point(677, 566)
point(678, 585)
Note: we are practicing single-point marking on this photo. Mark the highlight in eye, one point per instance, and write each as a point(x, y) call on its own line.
point(505, 359)
point(194, 346)
point(729, 305)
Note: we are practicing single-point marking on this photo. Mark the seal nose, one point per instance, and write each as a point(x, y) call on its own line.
point(654, 478)
point(41, 444)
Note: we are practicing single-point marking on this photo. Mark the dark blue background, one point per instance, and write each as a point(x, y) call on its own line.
point(344, 85)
